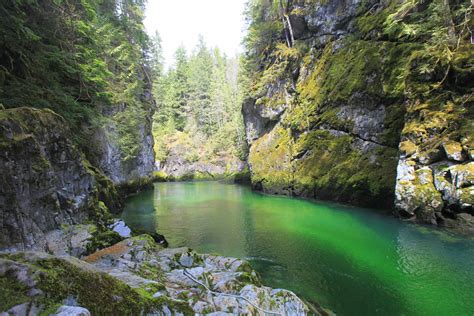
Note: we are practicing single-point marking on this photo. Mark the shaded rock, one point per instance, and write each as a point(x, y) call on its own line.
point(45, 182)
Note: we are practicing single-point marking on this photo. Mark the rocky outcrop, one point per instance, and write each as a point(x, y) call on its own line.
point(47, 182)
point(177, 169)
point(125, 154)
point(334, 115)
point(136, 276)
point(435, 178)
point(184, 162)
point(44, 180)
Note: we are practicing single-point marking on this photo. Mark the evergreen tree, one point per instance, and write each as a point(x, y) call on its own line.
point(200, 103)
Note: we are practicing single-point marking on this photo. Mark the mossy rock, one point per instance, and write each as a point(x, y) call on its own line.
point(60, 279)
point(160, 176)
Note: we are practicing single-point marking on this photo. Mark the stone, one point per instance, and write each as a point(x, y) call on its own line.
point(408, 148)
point(72, 311)
point(186, 260)
point(453, 150)
point(122, 229)
point(177, 293)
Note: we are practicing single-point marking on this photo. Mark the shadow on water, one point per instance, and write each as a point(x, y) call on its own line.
point(350, 260)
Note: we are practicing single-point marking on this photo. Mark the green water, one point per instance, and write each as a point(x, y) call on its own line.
point(350, 260)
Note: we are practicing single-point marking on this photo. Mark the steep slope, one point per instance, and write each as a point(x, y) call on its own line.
point(338, 87)
point(77, 124)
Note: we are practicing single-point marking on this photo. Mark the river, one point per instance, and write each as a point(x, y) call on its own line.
point(350, 260)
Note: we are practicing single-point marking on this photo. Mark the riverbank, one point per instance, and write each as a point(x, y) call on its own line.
point(348, 259)
point(136, 276)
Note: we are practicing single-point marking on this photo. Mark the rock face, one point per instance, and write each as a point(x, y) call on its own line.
point(181, 165)
point(125, 156)
point(136, 276)
point(44, 182)
point(47, 182)
point(177, 168)
point(333, 116)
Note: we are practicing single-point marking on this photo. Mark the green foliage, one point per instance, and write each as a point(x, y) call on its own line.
point(12, 292)
point(78, 58)
point(199, 108)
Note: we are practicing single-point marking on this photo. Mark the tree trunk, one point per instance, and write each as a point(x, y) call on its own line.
point(287, 23)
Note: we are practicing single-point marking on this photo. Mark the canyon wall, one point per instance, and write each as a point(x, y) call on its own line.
point(364, 102)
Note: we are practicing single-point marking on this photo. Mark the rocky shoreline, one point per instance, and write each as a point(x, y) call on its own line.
point(136, 276)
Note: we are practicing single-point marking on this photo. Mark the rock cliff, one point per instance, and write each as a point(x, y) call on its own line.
point(44, 181)
point(123, 146)
point(368, 102)
point(91, 131)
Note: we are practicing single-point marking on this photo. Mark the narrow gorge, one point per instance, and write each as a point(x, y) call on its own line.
point(364, 109)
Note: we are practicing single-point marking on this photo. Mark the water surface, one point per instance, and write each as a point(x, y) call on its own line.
point(350, 260)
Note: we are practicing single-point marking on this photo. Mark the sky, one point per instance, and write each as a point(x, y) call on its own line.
point(181, 21)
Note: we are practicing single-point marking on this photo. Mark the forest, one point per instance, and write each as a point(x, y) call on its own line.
point(198, 108)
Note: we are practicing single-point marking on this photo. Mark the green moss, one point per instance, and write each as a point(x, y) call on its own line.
point(106, 193)
point(334, 169)
point(151, 272)
point(102, 238)
point(248, 278)
point(242, 176)
point(134, 186)
point(59, 279)
point(408, 148)
point(270, 159)
point(467, 195)
point(12, 292)
point(160, 176)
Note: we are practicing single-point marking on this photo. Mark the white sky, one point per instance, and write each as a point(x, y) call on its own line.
point(181, 21)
